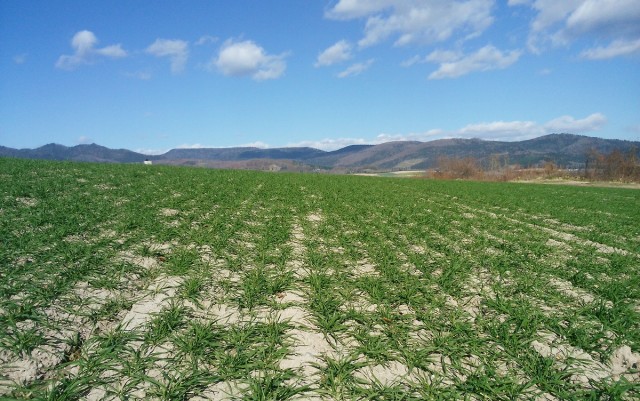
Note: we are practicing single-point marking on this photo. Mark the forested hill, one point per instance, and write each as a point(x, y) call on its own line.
point(566, 150)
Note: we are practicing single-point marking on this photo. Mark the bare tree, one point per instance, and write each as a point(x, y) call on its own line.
point(454, 167)
point(616, 165)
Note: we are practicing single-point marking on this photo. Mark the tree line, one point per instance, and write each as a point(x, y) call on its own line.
point(617, 165)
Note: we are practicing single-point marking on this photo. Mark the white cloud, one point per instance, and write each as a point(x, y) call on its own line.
point(348, 9)
point(340, 51)
point(568, 124)
point(559, 23)
point(84, 43)
point(550, 12)
point(411, 21)
point(617, 17)
point(520, 130)
point(356, 69)
point(546, 26)
point(502, 130)
point(444, 56)
point(246, 58)
point(519, 2)
point(176, 50)
point(454, 65)
point(83, 140)
point(614, 49)
point(113, 51)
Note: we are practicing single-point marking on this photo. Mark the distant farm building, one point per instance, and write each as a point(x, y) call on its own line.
point(147, 161)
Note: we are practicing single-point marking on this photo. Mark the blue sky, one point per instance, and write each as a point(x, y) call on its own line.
point(155, 75)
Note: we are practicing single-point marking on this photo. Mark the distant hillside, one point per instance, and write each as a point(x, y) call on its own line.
point(85, 153)
point(330, 159)
point(564, 149)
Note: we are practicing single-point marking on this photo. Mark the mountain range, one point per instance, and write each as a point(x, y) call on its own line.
point(565, 150)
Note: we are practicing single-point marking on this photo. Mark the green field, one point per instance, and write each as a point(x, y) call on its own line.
point(131, 281)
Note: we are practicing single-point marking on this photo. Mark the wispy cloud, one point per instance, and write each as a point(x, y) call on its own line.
point(604, 18)
point(176, 50)
point(614, 49)
point(501, 130)
point(569, 124)
point(356, 69)
point(453, 64)
point(340, 51)
point(246, 58)
point(559, 23)
point(407, 21)
point(85, 51)
point(444, 56)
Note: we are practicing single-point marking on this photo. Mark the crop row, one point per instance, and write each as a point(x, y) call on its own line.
point(178, 283)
